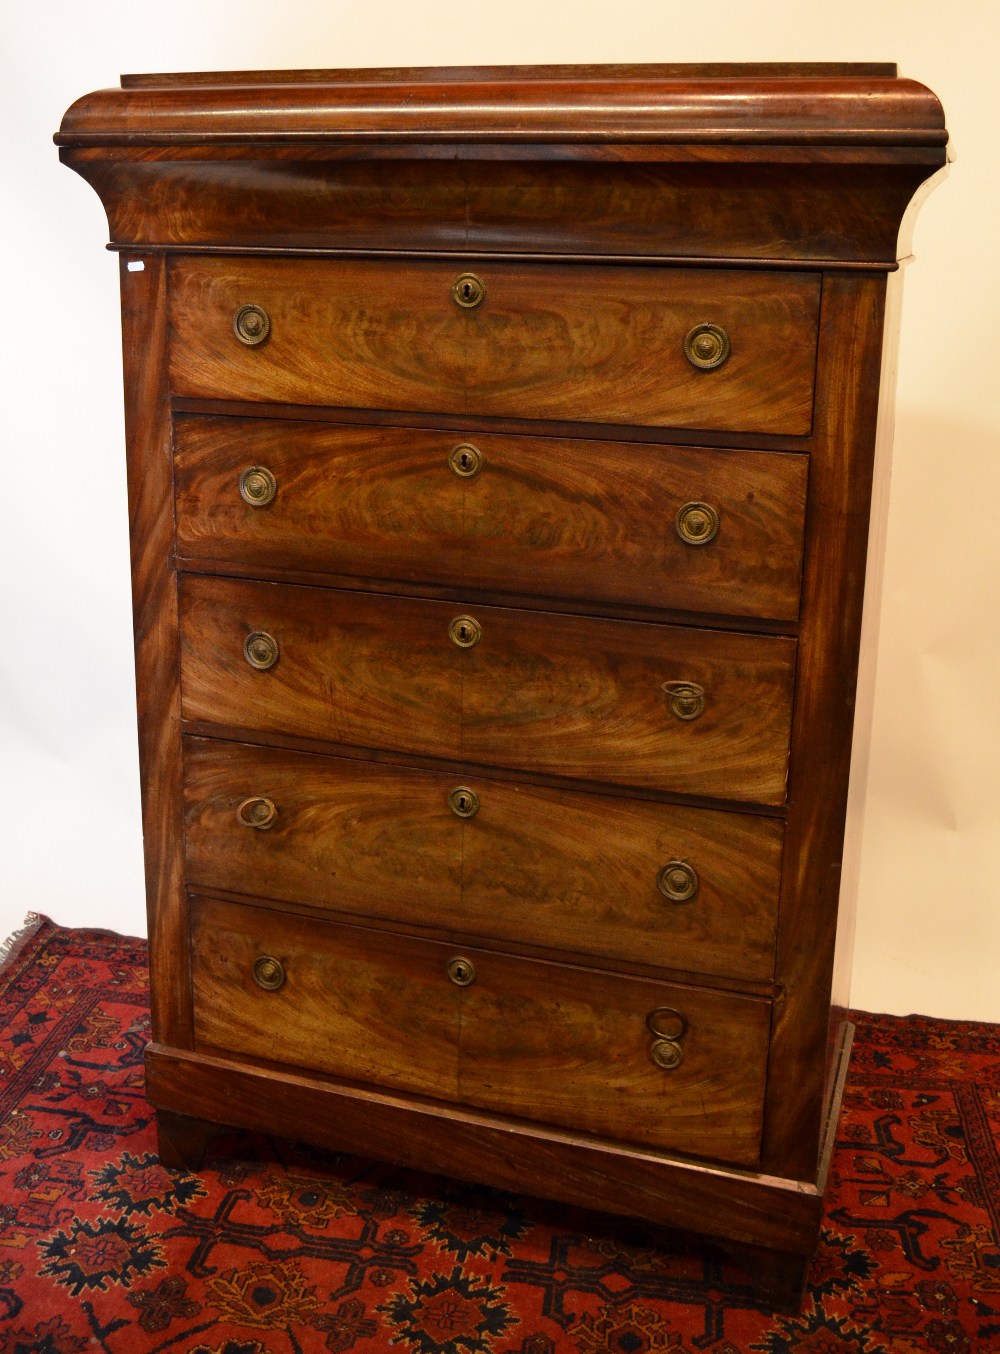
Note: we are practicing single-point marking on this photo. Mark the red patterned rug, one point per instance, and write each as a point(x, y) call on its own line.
point(275, 1249)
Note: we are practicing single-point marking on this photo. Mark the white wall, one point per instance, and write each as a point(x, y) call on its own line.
point(929, 924)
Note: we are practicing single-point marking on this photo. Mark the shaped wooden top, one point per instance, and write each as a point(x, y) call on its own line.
point(815, 104)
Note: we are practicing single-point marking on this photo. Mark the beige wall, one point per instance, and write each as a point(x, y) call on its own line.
point(929, 923)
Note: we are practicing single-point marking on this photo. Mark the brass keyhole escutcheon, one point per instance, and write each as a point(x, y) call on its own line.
point(686, 699)
point(696, 523)
point(268, 973)
point(668, 1027)
point(251, 325)
point(258, 811)
point(707, 346)
point(461, 971)
point(258, 486)
point(260, 650)
point(468, 290)
point(466, 460)
point(465, 631)
point(666, 1054)
point(463, 802)
point(677, 881)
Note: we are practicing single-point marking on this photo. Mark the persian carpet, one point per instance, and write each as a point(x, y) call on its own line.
point(277, 1249)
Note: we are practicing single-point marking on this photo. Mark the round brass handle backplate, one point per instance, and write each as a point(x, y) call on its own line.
point(258, 811)
point(668, 1027)
point(468, 290)
point(677, 881)
point(666, 1054)
point(696, 523)
point(258, 486)
point(251, 325)
point(465, 631)
point(463, 802)
point(268, 973)
point(707, 346)
point(686, 699)
point(466, 460)
point(260, 650)
point(461, 971)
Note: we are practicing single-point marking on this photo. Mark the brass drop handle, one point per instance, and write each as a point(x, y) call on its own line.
point(258, 486)
point(465, 631)
point(678, 881)
point(686, 699)
point(468, 290)
point(260, 650)
point(707, 346)
point(668, 1027)
point(466, 460)
point(251, 325)
point(268, 972)
point(463, 802)
point(258, 811)
point(461, 971)
point(696, 523)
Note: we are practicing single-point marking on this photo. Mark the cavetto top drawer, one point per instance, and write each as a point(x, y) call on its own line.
point(681, 347)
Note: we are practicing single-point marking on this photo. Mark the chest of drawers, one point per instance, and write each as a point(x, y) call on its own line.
point(501, 451)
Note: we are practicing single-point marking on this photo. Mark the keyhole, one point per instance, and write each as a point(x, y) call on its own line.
point(467, 290)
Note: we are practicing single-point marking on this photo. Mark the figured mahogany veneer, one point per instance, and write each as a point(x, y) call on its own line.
point(510, 847)
point(537, 1040)
point(598, 345)
point(577, 519)
point(575, 697)
point(555, 868)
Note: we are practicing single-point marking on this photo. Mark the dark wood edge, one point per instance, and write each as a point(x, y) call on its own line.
point(393, 757)
point(731, 1205)
point(471, 596)
point(725, 440)
point(458, 936)
point(494, 256)
point(634, 70)
point(924, 138)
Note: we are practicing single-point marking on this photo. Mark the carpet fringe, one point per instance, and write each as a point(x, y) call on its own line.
point(16, 941)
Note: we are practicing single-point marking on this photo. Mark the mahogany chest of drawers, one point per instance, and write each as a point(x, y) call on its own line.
point(501, 451)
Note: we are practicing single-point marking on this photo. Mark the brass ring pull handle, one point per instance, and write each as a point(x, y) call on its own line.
point(465, 631)
point(260, 650)
point(468, 291)
point(268, 973)
point(463, 802)
point(258, 486)
point(686, 699)
point(668, 1027)
point(251, 325)
point(466, 460)
point(707, 346)
point(461, 971)
point(677, 881)
point(696, 523)
point(258, 811)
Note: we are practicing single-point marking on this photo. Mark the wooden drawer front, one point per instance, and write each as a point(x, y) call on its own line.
point(557, 869)
point(569, 342)
point(577, 519)
point(566, 695)
point(533, 1039)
